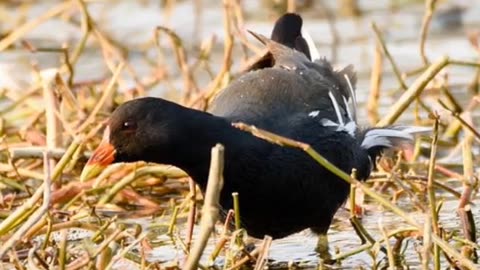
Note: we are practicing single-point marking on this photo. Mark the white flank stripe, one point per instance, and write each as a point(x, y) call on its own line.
point(354, 98)
point(336, 107)
point(313, 113)
point(347, 106)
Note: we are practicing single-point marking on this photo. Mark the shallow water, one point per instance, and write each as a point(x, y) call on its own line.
point(132, 23)
point(299, 248)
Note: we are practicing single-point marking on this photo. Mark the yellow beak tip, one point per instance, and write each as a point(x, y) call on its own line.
point(90, 171)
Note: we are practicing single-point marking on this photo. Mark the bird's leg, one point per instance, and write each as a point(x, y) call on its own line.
point(322, 247)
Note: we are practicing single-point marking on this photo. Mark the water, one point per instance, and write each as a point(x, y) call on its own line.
point(132, 23)
point(299, 248)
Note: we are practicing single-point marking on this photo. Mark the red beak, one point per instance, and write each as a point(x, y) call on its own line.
point(103, 156)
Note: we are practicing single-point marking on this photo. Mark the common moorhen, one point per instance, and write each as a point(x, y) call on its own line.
point(282, 190)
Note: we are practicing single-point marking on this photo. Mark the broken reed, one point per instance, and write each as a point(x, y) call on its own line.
point(76, 116)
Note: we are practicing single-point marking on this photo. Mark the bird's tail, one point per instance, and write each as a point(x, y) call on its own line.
point(374, 140)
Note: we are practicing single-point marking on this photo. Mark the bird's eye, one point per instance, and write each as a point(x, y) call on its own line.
point(129, 126)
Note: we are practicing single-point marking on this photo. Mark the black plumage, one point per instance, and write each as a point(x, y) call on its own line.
point(282, 190)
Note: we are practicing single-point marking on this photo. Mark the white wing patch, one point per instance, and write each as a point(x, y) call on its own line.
point(314, 113)
point(350, 127)
point(328, 123)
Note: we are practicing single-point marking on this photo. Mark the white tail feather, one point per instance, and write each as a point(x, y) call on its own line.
point(414, 130)
point(353, 97)
point(385, 137)
point(311, 45)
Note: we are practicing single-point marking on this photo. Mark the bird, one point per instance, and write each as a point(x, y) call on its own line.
point(281, 189)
